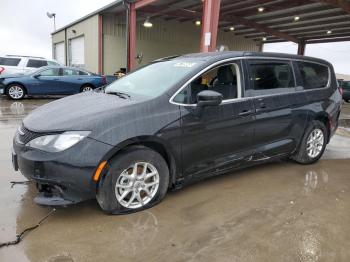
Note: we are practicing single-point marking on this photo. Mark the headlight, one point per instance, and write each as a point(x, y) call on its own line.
point(59, 142)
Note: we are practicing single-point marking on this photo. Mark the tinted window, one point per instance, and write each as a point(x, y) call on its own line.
point(221, 79)
point(346, 85)
point(9, 61)
point(70, 72)
point(270, 77)
point(313, 75)
point(50, 72)
point(36, 63)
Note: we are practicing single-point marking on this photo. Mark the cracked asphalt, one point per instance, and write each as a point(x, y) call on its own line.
point(280, 211)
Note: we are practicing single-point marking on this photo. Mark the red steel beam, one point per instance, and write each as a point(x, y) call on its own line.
point(141, 3)
point(343, 4)
point(100, 44)
point(320, 41)
point(210, 22)
point(131, 48)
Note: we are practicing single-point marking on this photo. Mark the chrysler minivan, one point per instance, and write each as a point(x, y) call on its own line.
point(175, 121)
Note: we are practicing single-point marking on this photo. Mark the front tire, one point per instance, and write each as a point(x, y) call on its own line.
point(137, 179)
point(16, 91)
point(313, 144)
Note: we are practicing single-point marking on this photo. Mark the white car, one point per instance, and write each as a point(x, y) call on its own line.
point(13, 64)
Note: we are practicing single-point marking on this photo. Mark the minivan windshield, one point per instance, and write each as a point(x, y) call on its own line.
point(154, 79)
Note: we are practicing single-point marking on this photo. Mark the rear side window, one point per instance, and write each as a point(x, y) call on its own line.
point(9, 61)
point(50, 72)
point(313, 75)
point(70, 72)
point(270, 77)
point(36, 63)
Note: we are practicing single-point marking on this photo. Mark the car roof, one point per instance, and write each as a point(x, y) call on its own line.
point(63, 67)
point(217, 56)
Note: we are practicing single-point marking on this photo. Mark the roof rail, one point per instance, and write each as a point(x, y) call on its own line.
point(27, 56)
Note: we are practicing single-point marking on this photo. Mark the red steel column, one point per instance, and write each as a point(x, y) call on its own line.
point(210, 22)
point(301, 48)
point(131, 37)
point(100, 44)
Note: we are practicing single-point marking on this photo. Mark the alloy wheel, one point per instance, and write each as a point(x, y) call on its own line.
point(16, 92)
point(87, 88)
point(137, 185)
point(315, 143)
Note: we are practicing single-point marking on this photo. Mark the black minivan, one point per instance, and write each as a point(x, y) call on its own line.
point(176, 120)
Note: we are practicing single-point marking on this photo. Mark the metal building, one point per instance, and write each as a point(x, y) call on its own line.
point(119, 35)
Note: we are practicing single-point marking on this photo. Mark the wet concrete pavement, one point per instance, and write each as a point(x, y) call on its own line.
point(275, 212)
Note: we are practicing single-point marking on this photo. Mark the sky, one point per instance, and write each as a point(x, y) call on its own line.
point(25, 30)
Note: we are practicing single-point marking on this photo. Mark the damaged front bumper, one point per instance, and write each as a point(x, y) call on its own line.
point(62, 178)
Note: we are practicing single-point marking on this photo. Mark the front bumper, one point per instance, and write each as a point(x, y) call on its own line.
point(62, 178)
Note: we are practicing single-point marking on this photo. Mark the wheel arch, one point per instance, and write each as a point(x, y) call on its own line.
point(17, 83)
point(154, 143)
point(87, 84)
point(324, 118)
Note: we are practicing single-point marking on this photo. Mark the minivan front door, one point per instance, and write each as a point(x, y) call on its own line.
point(221, 136)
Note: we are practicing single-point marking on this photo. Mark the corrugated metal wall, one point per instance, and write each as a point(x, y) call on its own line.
point(165, 38)
point(89, 29)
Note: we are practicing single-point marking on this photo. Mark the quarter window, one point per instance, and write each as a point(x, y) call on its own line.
point(36, 63)
point(222, 79)
point(313, 75)
point(270, 77)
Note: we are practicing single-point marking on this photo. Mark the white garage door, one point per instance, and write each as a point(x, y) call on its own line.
point(59, 53)
point(77, 52)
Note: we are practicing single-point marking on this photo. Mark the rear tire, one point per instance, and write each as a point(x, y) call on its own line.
point(86, 88)
point(15, 91)
point(313, 144)
point(137, 179)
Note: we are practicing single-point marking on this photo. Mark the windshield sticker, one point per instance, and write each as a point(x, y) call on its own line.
point(184, 64)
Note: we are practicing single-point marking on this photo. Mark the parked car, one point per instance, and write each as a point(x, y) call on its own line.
point(50, 80)
point(13, 64)
point(174, 121)
point(345, 85)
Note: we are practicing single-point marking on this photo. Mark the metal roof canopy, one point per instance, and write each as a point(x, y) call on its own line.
point(319, 21)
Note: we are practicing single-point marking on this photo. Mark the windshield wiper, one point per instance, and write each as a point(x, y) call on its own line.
point(120, 94)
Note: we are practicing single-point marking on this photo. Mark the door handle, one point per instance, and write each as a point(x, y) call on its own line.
point(56, 79)
point(245, 112)
point(262, 105)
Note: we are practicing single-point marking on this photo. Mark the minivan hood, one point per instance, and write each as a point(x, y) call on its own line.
point(78, 112)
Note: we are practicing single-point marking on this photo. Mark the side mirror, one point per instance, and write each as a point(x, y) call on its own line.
point(209, 98)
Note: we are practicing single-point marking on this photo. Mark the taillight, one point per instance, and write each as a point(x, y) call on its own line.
point(104, 80)
point(1, 69)
point(341, 91)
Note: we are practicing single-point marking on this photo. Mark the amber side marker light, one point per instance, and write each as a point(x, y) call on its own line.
point(99, 169)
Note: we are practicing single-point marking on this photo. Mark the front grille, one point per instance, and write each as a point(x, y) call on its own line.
point(25, 135)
